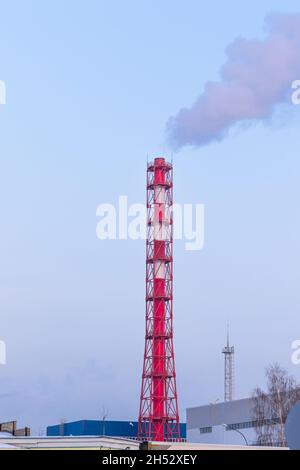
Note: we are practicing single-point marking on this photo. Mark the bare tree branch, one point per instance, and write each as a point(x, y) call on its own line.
point(271, 408)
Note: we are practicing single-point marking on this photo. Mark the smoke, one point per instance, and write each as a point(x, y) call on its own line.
point(256, 76)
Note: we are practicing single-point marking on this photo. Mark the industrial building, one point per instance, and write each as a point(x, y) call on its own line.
point(105, 443)
point(11, 428)
point(9, 442)
point(126, 429)
point(229, 422)
point(122, 429)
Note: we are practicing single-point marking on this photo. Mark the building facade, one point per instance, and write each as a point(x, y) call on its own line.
point(125, 429)
point(222, 423)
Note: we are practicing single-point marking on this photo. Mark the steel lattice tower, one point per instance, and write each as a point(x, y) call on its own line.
point(228, 352)
point(158, 415)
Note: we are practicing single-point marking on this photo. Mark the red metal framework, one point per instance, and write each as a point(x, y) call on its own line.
point(158, 416)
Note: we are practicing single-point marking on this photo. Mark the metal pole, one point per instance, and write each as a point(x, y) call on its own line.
point(236, 430)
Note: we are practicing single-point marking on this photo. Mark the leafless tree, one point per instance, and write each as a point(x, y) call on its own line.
point(271, 407)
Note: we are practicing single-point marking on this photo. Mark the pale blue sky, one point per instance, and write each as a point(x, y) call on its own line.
point(90, 86)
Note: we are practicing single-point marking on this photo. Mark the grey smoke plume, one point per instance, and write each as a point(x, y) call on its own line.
point(257, 76)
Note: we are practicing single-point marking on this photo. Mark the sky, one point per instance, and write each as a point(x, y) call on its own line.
point(90, 87)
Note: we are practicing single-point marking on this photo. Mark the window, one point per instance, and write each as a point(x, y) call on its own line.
point(207, 430)
point(252, 424)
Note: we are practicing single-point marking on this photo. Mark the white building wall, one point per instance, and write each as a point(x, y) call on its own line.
point(217, 416)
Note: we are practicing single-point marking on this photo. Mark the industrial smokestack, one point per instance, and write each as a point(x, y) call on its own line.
point(158, 416)
point(257, 76)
